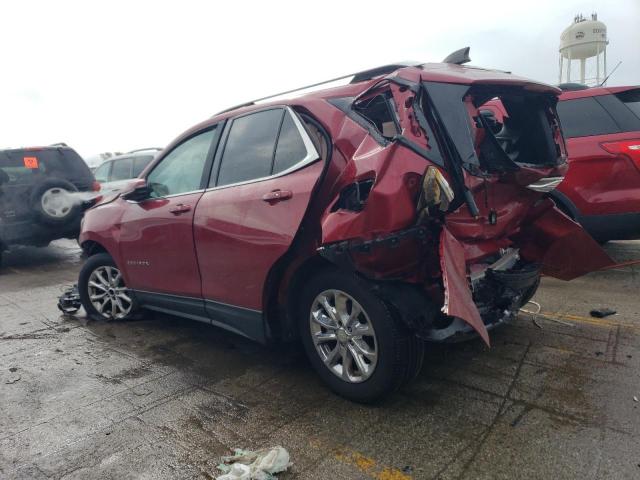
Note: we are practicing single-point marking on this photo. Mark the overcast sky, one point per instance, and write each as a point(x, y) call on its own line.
point(122, 75)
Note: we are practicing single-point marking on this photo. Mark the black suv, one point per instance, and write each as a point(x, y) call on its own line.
point(37, 199)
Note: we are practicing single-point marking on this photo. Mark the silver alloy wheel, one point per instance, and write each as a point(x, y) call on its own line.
point(108, 294)
point(343, 336)
point(56, 202)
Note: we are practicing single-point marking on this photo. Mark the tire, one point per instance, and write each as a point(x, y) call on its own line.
point(530, 292)
point(398, 352)
point(100, 269)
point(50, 204)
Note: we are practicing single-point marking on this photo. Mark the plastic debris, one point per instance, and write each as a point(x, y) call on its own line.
point(69, 301)
point(635, 399)
point(259, 465)
point(601, 312)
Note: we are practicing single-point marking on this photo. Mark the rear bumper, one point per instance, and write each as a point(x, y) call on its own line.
point(621, 226)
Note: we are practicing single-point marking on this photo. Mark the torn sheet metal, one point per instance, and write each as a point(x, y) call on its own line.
point(563, 248)
point(458, 300)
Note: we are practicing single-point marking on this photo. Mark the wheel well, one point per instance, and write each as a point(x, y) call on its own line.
point(282, 306)
point(564, 204)
point(91, 248)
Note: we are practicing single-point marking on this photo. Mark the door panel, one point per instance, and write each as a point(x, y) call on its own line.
point(239, 234)
point(156, 245)
point(156, 235)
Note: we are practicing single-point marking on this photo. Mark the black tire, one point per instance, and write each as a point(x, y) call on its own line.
point(92, 264)
point(45, 217)
point(530, 292)
point(399, 352)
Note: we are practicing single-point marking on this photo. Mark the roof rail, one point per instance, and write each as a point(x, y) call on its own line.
point(357, 77)
point(571, 87)
point(144, 149)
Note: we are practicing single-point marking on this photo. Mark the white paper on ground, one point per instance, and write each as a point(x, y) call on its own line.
point(258, 465)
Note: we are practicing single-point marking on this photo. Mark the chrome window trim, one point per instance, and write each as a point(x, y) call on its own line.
point(312, 154)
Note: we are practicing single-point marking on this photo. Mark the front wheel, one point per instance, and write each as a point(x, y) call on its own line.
point(102, 290)
point(353, 341)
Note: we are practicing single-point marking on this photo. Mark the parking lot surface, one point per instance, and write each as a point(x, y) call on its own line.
point(165, 397)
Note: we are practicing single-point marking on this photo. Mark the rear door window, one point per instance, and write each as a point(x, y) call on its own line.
point(584, 117)
point(139, 163)
point(250, 146)
point(121, 169)
point(291, 148)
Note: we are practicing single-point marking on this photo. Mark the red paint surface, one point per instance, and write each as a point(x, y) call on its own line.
point(151, 233)
point(239, 236)
point(458, 298)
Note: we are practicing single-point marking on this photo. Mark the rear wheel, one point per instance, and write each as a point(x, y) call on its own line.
point(103, 293)
point(353, 341)
point(53, 202)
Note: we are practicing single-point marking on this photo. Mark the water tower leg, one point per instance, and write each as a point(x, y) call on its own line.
point(560, 76)
point(605, 61)
point(598, 64)
point(582, 61)
point(569, 68)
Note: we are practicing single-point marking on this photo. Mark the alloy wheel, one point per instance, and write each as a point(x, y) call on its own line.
point(343, 336)
point(108, 293)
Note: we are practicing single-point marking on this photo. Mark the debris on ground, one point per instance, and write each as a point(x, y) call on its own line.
point(635, 399)
point(601, 312)
point(534, 314)
point(69, 301)
point(254, 465)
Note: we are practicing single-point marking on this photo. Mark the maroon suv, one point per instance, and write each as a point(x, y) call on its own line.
point(361, 220)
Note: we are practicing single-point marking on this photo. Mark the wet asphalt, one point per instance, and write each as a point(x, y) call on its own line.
point(164, 397)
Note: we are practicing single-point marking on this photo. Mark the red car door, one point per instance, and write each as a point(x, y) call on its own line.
point(263, 178)
point(156, 236)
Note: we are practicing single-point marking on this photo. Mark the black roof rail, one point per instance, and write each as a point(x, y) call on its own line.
point(357, 77)
point(571, 87)
point(144, 149)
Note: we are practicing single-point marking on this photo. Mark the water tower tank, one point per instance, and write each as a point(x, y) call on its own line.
point(582, 40)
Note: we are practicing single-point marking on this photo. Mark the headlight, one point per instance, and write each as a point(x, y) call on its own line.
point(545, 184)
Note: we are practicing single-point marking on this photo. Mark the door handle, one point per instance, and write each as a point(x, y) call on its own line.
point(180, 208)
point(277, 196)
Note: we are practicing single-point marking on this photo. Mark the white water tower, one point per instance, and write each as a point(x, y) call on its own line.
point(582, 41)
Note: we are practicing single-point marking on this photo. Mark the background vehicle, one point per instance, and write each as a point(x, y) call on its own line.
point(123, 167)
point(37, 194)
point(601, 189)
point(361, 219)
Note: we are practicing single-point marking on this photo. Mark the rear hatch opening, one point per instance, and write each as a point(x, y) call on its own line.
point(497, 129)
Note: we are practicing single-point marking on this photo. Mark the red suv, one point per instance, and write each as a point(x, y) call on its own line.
point(601, 190)
point(362, 220)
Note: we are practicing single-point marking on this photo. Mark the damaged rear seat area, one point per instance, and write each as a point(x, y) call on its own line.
point(442, 206)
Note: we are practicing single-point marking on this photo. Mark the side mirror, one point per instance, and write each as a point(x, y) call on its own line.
point(140, 191)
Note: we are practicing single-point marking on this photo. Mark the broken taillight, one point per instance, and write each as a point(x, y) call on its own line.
point(95, 186)
point(628, 148)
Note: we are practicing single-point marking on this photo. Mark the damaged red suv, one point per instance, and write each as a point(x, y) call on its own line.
point(361, 220)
